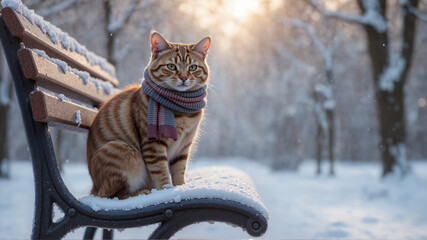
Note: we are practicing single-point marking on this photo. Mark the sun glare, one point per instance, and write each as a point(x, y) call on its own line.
point(241, 9)
point(231, 14)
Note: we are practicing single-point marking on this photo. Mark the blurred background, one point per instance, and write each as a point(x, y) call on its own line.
point(296, 85)
point(290, 80)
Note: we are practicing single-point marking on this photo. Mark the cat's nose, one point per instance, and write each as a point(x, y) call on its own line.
point(183, 78)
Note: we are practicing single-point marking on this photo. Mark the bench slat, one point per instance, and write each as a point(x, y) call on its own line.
point(32, 37)
point(50, 109)
point(48, 73)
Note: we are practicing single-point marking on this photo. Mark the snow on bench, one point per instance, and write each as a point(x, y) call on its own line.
point(225, 183)
point(57, 36)
point(84, 76)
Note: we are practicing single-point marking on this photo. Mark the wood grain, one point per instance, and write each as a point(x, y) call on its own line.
point(49, 109)
point(32, 37)
point(48, 73)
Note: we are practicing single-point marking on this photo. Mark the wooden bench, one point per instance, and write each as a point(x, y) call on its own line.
point(60, 85)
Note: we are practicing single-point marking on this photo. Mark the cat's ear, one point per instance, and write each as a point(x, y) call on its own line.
point(202, 46)
point(158, 43)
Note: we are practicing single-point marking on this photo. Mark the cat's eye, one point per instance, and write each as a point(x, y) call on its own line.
point(170, 66)
point(192, 68)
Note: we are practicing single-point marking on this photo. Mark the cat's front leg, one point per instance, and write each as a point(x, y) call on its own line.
point(154, 155)
point(177, 166)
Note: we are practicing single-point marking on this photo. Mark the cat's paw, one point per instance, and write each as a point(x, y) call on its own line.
point(179, 182)
point(143, 191)
point(167, 186)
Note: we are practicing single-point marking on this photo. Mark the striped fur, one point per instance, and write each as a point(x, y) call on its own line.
point(122, 162)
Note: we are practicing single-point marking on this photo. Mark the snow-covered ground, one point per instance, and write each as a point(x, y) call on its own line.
point(355, 204)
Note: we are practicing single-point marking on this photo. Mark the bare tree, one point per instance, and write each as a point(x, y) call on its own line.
point(114, 25)
point(389, 69)
point(323, 95)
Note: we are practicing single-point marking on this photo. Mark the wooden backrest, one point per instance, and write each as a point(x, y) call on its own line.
point(72, 82)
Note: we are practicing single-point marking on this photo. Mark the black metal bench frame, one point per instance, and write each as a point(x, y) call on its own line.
point(50, 188)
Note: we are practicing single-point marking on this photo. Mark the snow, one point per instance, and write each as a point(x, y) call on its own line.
point(85, 76)
point(372, 15)
point(214, 182)
point(355, 204)
point(396, 64)
point(62, 97)
point(57, 36)
point(78, 118)
point(177, 199)
point(327, 92)
point(329, 104)
point(399, 152)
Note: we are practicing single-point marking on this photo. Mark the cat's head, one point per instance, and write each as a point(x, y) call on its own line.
point(178, 66)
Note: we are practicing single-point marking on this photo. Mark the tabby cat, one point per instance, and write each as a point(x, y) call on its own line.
point(127, 156)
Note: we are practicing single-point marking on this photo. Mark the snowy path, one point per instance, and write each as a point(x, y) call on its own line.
point(355, 204)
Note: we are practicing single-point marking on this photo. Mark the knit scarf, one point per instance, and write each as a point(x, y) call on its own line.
point(163, 102)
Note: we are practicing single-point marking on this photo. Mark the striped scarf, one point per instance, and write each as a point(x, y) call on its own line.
point(163, 102)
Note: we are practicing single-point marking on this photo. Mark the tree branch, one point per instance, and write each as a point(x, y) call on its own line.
point(323, 51)
point(421, 16)
point(116, 24)
point(59, 7)
point(283, 53)
point(372, 15)
point(32, 3)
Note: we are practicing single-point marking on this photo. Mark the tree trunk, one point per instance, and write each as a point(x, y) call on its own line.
point(331, 140)
point(320, 131)
point(5, 82)
point(4, 123)
point(319, 139)
point(330, 116)
point(390, 104)
point(111, 37)
point(392, 128)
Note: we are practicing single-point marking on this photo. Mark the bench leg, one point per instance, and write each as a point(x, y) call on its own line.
point(107, 234)
point(90, 233)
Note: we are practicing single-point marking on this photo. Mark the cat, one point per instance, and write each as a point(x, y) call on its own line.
point(123, 160)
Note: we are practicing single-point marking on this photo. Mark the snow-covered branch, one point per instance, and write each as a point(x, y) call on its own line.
point(395, 66)
point(421, 16)
point(58, 7)
point(283, 53)
point(372, 15)
point(413, 10)
point(327, 92)
point(135, 5)
point(323, 51)
point(124, 51)
point(32, 3)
